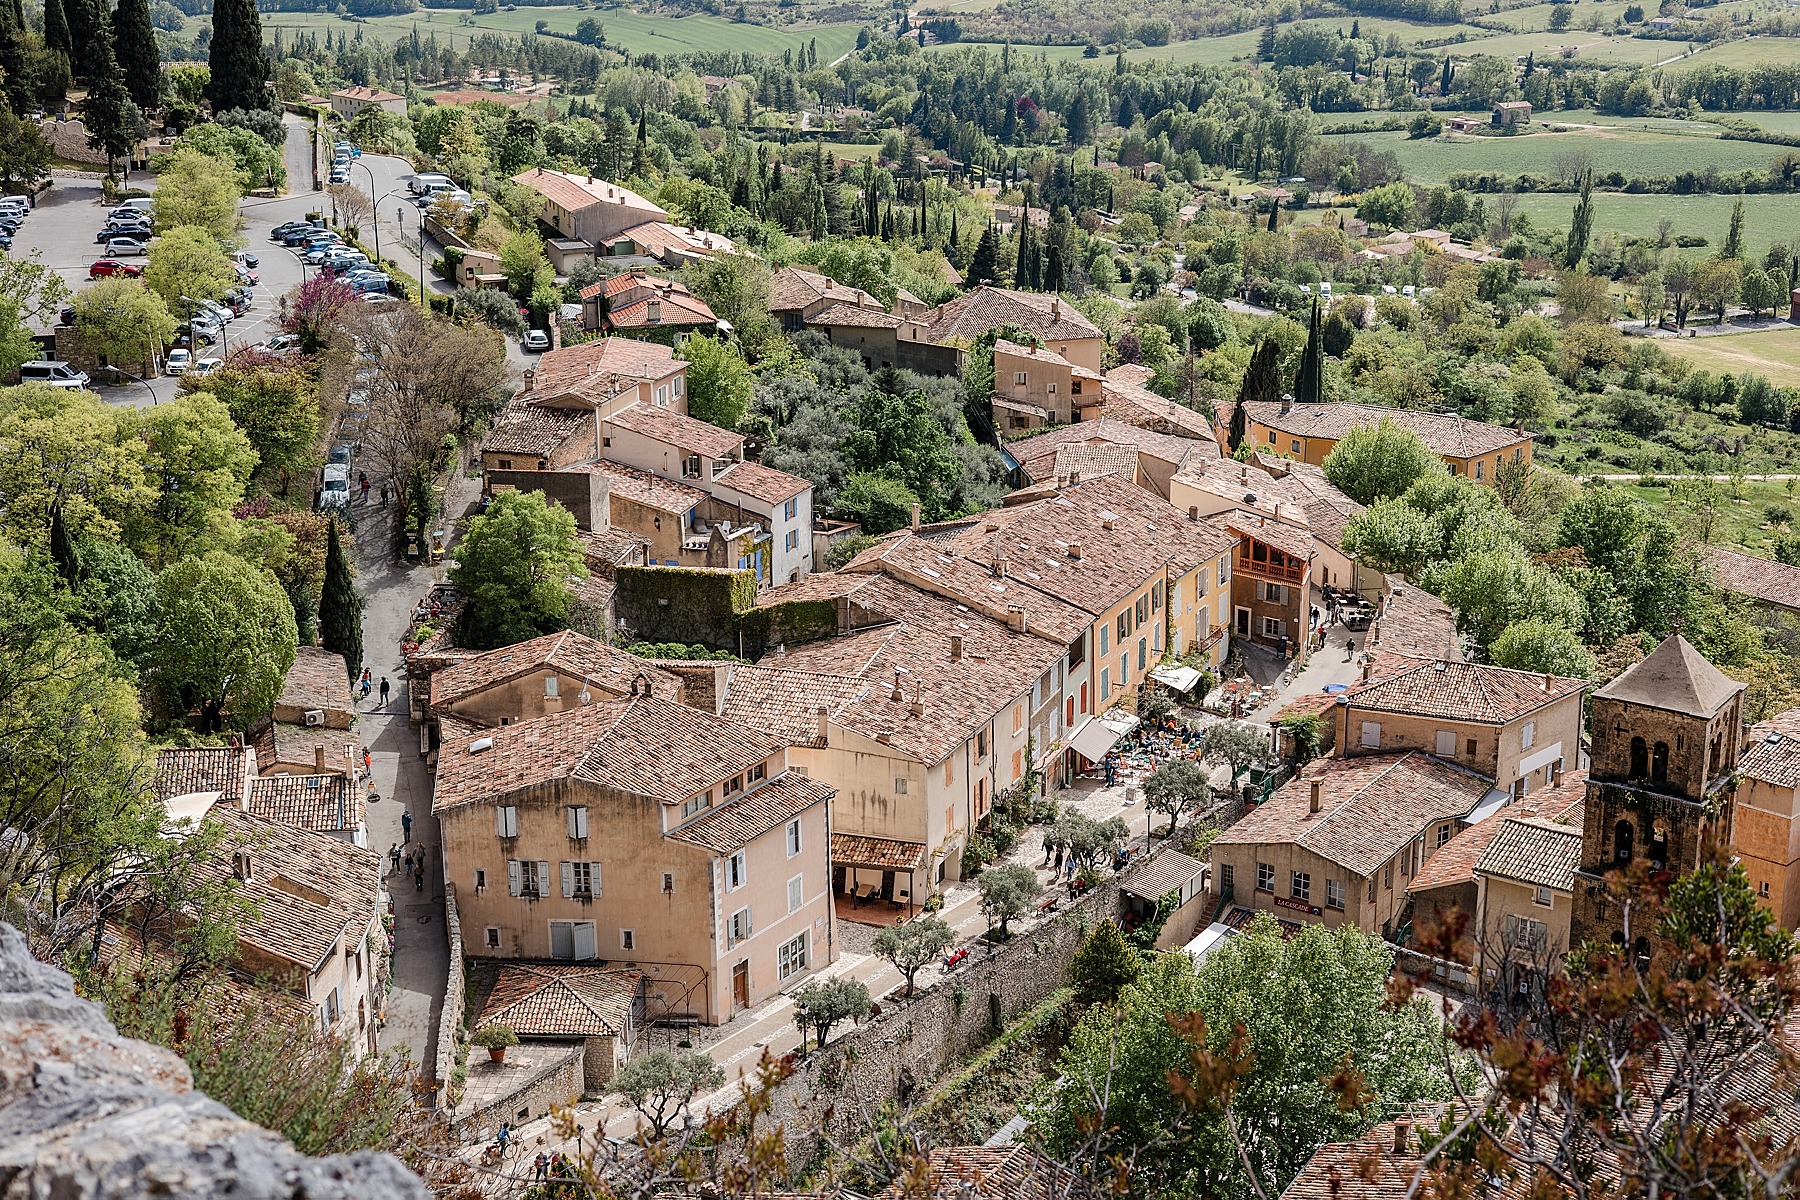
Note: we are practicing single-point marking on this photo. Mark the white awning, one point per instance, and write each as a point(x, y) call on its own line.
point(1096, 735)
point(1175, 675)
point(1488, 805)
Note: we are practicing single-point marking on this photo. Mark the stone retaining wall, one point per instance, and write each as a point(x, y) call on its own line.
point(450, 1018)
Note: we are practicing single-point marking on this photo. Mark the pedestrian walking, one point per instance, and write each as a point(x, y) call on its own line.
point(1049, 846)
point(1059, 858)
point(1349, 649)
point(407, 860)
point(368, 762)
point(541, 1168)
point(393, 858)
point(406, 825)
point(384, 495)
point(384, 691)
point(502, 1138)
point(365, 488)
point(419, 873)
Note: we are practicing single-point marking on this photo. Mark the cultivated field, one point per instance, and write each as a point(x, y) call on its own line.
point(1774, 354)
point(1634, 152)
point(1767, 219)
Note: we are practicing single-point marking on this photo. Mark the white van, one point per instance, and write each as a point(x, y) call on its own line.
point(424, 185)
point(334, 491)
point(143, 204)
point(54, 373)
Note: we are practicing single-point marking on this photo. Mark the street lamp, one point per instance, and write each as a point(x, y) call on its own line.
point(374, 208)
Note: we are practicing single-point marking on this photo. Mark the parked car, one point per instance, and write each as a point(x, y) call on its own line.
point(5, 241)
point(283, 230)
point(247, 277)
point(112, 232)
point(178, 361)
point(340, 455)
point(207, 366)
point(112, 266)
point(339, 176)
point(282, 343)
point(220, 313)
point(238, 303)
point(54, 372)
point(67, 315)
point(245, 258)
point(334, 490)
point(126, 246)
point(535, 341)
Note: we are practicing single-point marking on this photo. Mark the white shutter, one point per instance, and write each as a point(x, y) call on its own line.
point(1446, 743)
point(543, 879)
point(578, 821)
point(568, 879)
point(585, 944)
point(1371, 734)
point(515, 881)
point(594, 878)
point(506, 821)
point(796, 893)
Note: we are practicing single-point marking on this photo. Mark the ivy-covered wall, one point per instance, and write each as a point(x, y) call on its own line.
point(713, 608)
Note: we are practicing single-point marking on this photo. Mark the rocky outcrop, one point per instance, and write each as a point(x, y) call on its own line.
point(86, 1114)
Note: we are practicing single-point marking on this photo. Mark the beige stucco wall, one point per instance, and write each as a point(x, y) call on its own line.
point(1041, 374)
point(1497, 899)
point(1315, 449)
point(524, 697)
point(1766, 838)
point(1286, 857)
point(1499, 752)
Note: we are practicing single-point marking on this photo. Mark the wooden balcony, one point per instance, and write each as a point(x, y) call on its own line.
point(1291, 572)
point(1214, 635)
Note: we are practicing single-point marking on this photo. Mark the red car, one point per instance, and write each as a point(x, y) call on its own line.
point(112, 266)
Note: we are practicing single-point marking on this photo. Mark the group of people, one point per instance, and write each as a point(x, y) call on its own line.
point(362, 481)
point(404, 855)
point(366, 684)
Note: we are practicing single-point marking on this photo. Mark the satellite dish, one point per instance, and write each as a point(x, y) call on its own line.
point(585, 698)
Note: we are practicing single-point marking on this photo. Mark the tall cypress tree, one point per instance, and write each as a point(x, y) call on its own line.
point(56, 27)
point(1262, 381)
point(1581, 225)
point(81, 18)
point(1054, 280)
point(985, 266)
point(340, 606)
point(240, 70)
point(134, 42)
point(1309, 380)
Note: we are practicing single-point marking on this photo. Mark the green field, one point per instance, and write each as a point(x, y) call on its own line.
point(1778, 122)
point(1633, 152)
point(1590, 47)
point(1767, 219)
point(1744, 52)
point(1774, 354)
point(641, 33)
point(1739, 521)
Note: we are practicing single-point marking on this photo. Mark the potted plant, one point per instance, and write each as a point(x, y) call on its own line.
point(495, 1039)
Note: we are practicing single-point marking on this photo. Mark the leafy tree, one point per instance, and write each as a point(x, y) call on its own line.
point(1759, 290)
point(277, 407)
point(1375, 462)
point(315, 310)
point(228, 639)
point(1337, 333)
point(984, 266)
point(1178, 786)
point(1716, 284)
point(1535, 644)
point(1492, 588)
point(1678, 284)
point(197, 463)
point(1581, 296)
point(901, 437)
point(196, 189)
point(117, 599)
point(122, 321)
point(1235, 743)
point(820, 1004)
point(1104, 965)
point(1392, 535)
point(240, 69)
point(1087, 840)
point(187, 266)
point(1007, 892)
point(341, 606)
point(17, 345)
point(1390, 205)
point(514, 565)
point(258, 163)
point(520, 260)
point(135, 47)
point(661, 1083)
point(719, 381)
point(1305, 732)
point(914, 945)
point(1209, 1076)
point(63, 447)
point(25, 153)
point(1581, 224)
point(879, 503)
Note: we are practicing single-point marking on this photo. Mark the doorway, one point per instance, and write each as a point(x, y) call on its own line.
point(1242, 621)
point(740, 985)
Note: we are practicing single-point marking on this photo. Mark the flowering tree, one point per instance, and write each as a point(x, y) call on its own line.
point(315, 309)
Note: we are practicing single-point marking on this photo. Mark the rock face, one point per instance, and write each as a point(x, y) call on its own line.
point(88, 1115)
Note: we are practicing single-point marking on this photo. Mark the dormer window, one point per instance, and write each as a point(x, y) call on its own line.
point(757, 773)
point(733, 786)
point(697, 805)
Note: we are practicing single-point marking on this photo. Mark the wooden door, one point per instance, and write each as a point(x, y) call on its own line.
point(740, 985)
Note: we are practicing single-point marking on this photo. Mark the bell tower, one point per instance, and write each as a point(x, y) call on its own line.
point(1665, 739)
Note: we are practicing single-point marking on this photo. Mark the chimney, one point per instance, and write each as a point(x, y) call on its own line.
point(1401, 1129)
point(242, 866)
point(530, 378)
point(1318, 785)
point(1193, 512)
point(824, 715)
point(918, 707)
point(1548, 677)
point(1075, 550)
point(1287, 403)
point(896, 696)
point(1556, 774)
point(1015, 617)
point(318, 758)
point(915, 516)
point(956, 647)
point(1056, 307)
point(653, 311)
point(1107, 524)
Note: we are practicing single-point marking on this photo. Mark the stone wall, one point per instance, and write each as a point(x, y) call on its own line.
point(450, 1018)
point(86, 1114)
point(535, 1077)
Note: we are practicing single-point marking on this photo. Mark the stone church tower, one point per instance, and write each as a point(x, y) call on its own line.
point(1666, 737)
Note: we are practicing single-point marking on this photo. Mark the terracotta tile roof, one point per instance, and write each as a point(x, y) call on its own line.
point(569, 368)
point(1534, 851)
point(1463, 691)
point(1454, 862)
point(322, 803)
point(974, 313)
point(611, 547)
point(574, 193)
point(281, 742)
point(683, 310)
point(1775, 759)
point(366, 95)
point(640, 745)
point(1674, 677)
point(1040, 449)
point(561, 1000)
point(657, 237)
point(571, 653)
point(1131, 374)
point(1015, 1172)
point(1302, 494)
point(1292, 540)
point(727, 828)
point(1455, 437)
point(786, 703)
point(309, 890)
point(821, 585)
point(653, 491)
point(318, 679)
point(1135, 405)
point(851, 316)
point(933, 565)
point(188, 770)
point(762, 483)
point(792, 288)
point(1370, 807)
point(1369, 1168)
point(1762, 578)
point(533, 430)
point(682, 432)
point(1091, 460)
point(887, 854)
point(1415, 623)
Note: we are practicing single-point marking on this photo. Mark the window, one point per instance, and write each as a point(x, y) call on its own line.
point(525, 877)
point(739, 928)
point(1018, 765)
point(1528, 735)
point(1371, 889)
point(790, 958)
point(1124, 626)
point(796, 893)
point(1271, 437)
point(333, 1007)
point(1371, 735)
point(793, 837)
point(1265, 877)
point(627, 939)
point(506, 464)
point(690, 467)
point(1075, 387)
point(580, 880)
point(949, 819)
point(480, 879)
point(1300, 886)
point(737, 872)
point(1018, 715)
point(695, 805)
point(551, 686)
point(733, 786)
point(506, 821)
point(1227, 878)
point(1156, 597)
point(573, 940)
point(981, 751)
point(1470, 747)
point(1762, 890)
point(950, 764)
point(1543, 897)
point(758, 773)
point(1225, 570)
point(791, 509)
point(1104, 644)
point(1019, 378)
point(899, 785)
point(1446, 743)
point(1334, 894)
point(1273, 593)
point(1140, 611)
point(1443, 834)
point(493, 937)
point(1050, 389)
point(1272, 627)
point(793, 539)
point(1141, 650)
point(1388, 880)
point(1105, 683)
point(578, 821)
point(1296, 445)
point(1478, 467)
point(1526, 933)
point(669, 882)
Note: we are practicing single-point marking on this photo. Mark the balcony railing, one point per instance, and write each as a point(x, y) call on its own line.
point(1291, 573)
point(1213, 636)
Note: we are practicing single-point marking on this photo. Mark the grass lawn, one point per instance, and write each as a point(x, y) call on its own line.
point(1744, 52)
point(1634, 152)
point(1739, 523)
point(641, 33)
point(1778, 122)
point(1767, 218)
point(1599, 48)
point(1773, 354)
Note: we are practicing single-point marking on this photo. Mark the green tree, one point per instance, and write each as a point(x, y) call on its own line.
point(277, 408)
point(1177, 787)
point(820, 1004)
point(1375, 462)
point(1234, 743)
point(186, 266)
point(341, 606)
point(25, 153)
point(1716, 284)
point(1534, 644)
point(914, 945)
point(17, 345)
point(117, 599)
point(1007, 892)
point(1086, 840)
point(114, 122)
point(135, 47)
point(1491, 588)
point(228, 639)
point(1104, 965)
point(56, 27)
point(901, 436)
point(661, 1083)
point(879, 503)
point(1392, 535)
point(1283, 1019)
point(122, 321)
point(520, 259)
point(1733, 246)
point(1581, 224)
point(1305, 732)
point(1309, 376)
point(719, 382)
point(196, 463)
point(240, 69)
point(1759, 290)
point(984, 266)
point(63, 447)
point(1390, 205)
point(196, 189)
point(514, 565)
